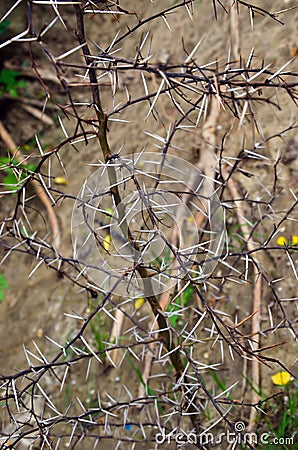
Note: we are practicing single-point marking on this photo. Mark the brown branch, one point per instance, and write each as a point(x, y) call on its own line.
point(104, 144)
point(163, 302)
point(257, 295)
point(165, 333)
point(117, 328)
point(44, 118)
point(235, 30)
point(257, 290)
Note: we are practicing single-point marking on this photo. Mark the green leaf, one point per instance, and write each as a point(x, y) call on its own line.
point(13, 92)
point(3, 25)
point(8, 77)
point(9, 82)
point(149, 390)
point(136, 370)
point(11, 182)
point(3, 286)
point(187, 295)
point(31, 167)
point(173, 319)
point(22, 84)
point(4, 162)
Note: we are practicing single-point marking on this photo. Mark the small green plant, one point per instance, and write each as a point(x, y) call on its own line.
point(3, 286)
point(148, 389)
point(69, 353)
point(254, 387)
point(67, 394)
point(99, 330)
point(9, 82)
point(219, 388)
point(181, 302)
point(281, 421)
point(91, 398)
point(236, 238)
point(220, 384)
point(16, 173)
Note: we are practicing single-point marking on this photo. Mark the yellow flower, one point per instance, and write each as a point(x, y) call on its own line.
point(282, 240)
point(139, 302)
point(61, 180)
point(107, 242)
point(109, 211)
point(281, 378)
point(294, 240)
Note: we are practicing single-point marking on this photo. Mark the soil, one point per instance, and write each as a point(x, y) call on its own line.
point(43, 305)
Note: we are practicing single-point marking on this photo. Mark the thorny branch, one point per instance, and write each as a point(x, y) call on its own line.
point(205, 124)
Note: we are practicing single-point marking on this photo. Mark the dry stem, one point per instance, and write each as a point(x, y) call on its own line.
point(257, 294)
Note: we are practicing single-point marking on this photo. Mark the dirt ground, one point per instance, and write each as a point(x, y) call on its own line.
point(41, 306)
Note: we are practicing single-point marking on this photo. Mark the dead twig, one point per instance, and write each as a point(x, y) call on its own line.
point(235, 37)
point(116, 332)
point(235, 31)
point(44, 118)
point(163, 302)
point(257, 295)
